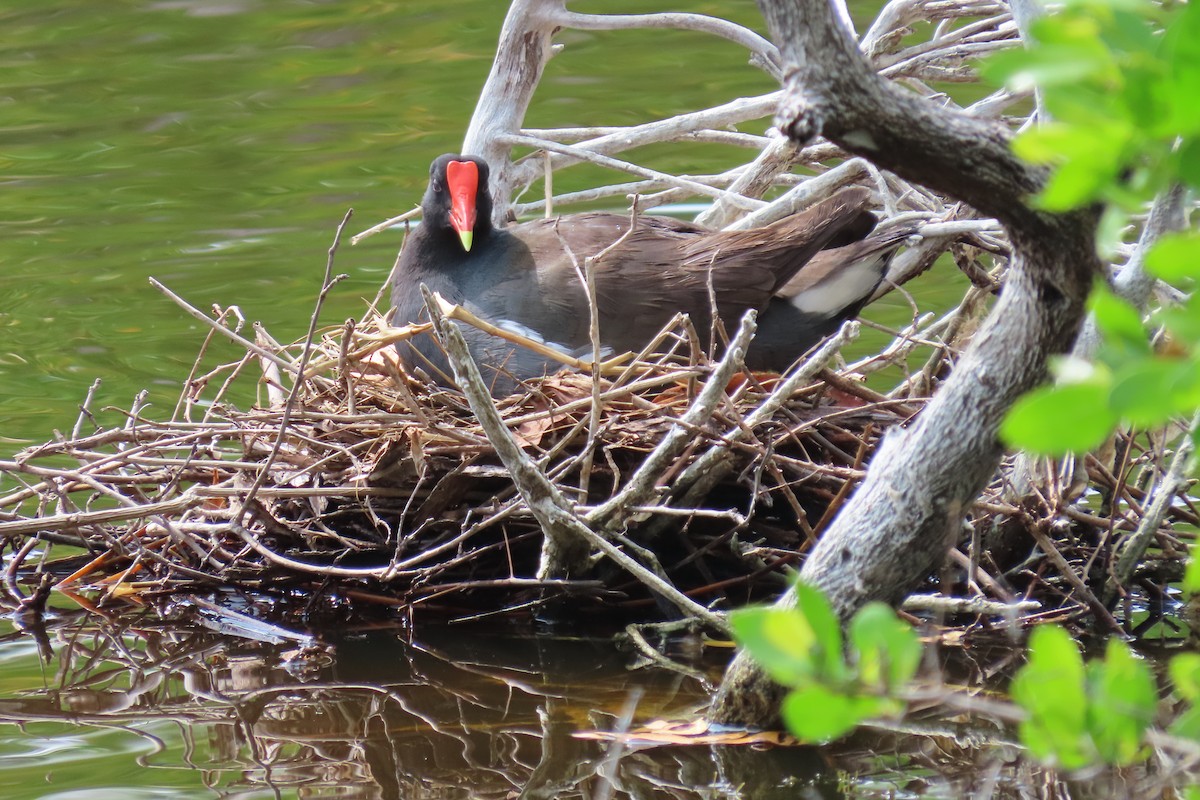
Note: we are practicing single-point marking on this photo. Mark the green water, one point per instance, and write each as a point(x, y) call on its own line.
point(214, 145)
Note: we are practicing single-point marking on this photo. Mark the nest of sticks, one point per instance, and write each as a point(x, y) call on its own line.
point(686, 485)
point(351, 479)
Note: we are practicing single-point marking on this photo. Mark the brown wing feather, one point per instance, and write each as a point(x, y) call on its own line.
point(665, 266)
point(784, 247)
point(829, 262)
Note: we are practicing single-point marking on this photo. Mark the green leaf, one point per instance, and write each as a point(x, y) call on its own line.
point(1185, 668)
point(1056, 420)
point(1095, 6)
point(1186, 390)
point(1183, 322)
point(1187, 724)
point(780, 640)
point(1080, 27)
point(1120, 92)
point(827, 632)
point(1051, 689)
point(887, 648)
point(1178, 113)
point(1123, 704)
point(1189, 162)
point(818, 714)
point(1083, 105)
point(1078, 181)
point(1175, 257)
point(1096, 142)
point(1191, 585)
point(1129, 31)
point(1089, 155)
point(1185, 671)
point(1180, 53)
point(1047, 65)
point(1149, 392)
point(1119, 321)
point(1110, 233)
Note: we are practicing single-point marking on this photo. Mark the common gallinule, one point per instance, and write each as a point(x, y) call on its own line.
point(523, 277)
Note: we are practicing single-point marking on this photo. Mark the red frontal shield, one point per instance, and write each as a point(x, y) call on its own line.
point(462, 179)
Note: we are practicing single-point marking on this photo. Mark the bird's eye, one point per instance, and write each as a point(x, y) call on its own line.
point(436, 186)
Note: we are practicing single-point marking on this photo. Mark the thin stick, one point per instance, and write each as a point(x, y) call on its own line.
point(261, 352)
point(711, 467)
point(460, 314)
point(383, 226)
point(548, 183)
point(624, 166)
point(327, 283)
point(1163, 496)
point(85, 411)
point(343, 372)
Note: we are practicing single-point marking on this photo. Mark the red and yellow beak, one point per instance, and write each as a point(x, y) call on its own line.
point(462, 179)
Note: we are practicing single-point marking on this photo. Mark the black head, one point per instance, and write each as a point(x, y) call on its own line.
point(457, 198)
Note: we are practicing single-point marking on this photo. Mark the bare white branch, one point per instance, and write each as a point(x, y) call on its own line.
point(768, 54)
point(624, 166)
point(663, 130)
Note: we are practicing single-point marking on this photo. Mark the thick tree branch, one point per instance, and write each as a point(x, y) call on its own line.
point(911, 506)
point(524, 49)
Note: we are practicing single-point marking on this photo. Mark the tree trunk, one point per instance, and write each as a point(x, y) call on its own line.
point(912, 504)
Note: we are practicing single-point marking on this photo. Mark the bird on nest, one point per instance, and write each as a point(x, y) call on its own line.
point(804, 274)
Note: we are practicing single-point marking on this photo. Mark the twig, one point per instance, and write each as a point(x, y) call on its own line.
point(767, 53)
point(216, 325)
point(1068, 572)
point(386, 224)
point(713, 465)
point(803, 195)
point(327, 283)
point(85, 409)
point(1163, 497)
point(460, 314)
point(722, 116)
point(967, 605)
point(79, 519)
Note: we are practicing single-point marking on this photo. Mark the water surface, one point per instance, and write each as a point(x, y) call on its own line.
point(215, 146)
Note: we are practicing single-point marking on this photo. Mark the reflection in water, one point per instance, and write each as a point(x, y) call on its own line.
point(461, 714)
point(166, 708)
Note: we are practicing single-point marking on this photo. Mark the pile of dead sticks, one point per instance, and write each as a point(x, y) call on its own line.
point(351, 478)
point(668, 482)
